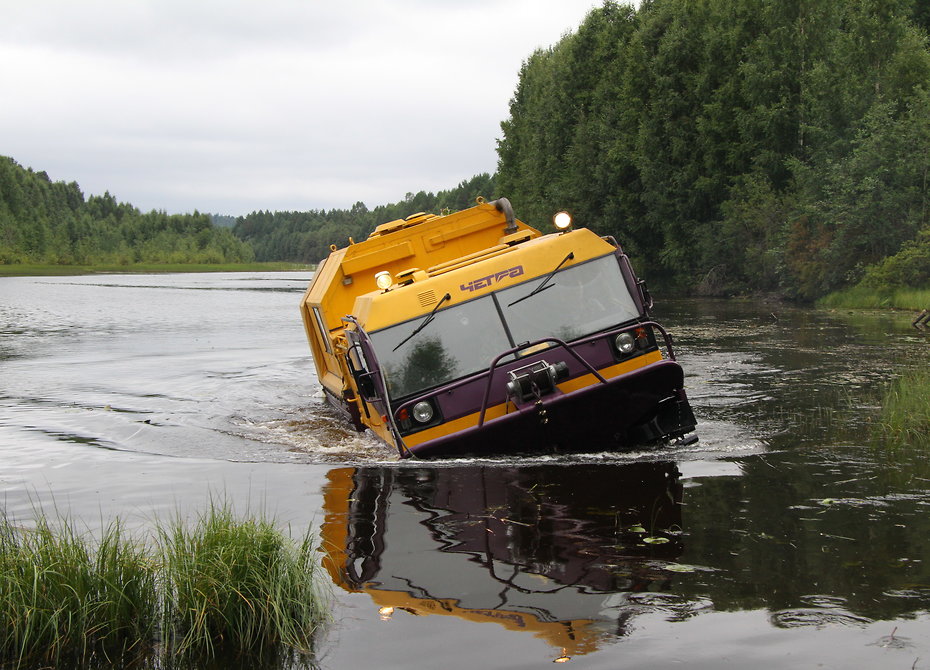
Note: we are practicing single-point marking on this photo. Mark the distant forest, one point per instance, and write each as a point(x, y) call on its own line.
point(305, 237)
point(45, 222)
point(732, 146)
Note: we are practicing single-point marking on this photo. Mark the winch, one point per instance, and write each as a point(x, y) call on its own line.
point(536, 379)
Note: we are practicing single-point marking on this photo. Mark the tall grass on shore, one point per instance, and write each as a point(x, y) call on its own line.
point(62, 599)
point(241, 585)
point(861, 297)
point(905, 416)
point(220, 588)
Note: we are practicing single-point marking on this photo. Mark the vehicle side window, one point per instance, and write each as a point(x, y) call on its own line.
point(324, 331)
point(358, 366)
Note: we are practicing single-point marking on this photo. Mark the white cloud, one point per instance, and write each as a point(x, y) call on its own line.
point(283, 104)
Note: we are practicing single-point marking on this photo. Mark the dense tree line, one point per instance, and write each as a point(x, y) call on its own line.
point(735, 145)
point(305, 237)
point(50, 222)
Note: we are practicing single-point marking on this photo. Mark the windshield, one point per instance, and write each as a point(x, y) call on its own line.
point(459, 340)
point(579, 300)
point(465, 338)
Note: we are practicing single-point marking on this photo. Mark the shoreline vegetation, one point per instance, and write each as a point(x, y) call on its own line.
point(50, 270)
point(904, 417)
point(191, 592)
point(891, 298)
point(905, 412)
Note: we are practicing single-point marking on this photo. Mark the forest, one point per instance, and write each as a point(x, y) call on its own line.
point(51, 223)
point(738, 146)
point(731, 146)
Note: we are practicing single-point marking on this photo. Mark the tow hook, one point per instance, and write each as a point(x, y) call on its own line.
point(541, 412)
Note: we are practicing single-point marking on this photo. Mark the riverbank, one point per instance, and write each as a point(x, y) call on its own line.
point(905, 416)
point(25, 270)
point(860, 297)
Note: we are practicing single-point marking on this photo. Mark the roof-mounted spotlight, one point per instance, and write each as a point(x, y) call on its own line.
point(562, 221)
point(384, 280)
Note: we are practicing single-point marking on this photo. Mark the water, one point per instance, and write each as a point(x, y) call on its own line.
point(782, 539)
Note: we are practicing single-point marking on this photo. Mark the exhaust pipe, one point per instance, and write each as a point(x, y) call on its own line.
point(503, 205)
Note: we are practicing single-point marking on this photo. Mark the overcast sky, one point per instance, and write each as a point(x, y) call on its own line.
point(231, 106)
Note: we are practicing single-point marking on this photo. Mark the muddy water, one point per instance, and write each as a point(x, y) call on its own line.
point(782, 539)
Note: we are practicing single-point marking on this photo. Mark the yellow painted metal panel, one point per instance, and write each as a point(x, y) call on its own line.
point(377, 258)
point(512, 265)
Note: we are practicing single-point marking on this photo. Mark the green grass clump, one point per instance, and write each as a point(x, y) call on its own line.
point(911, 298)
point(241, 585)
point(905, 416)
point(221, 588)
point(61, 598)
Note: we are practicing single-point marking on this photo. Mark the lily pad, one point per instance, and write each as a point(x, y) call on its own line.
point(679, 567)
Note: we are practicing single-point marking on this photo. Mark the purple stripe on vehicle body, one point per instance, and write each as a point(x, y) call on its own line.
point(598, 415)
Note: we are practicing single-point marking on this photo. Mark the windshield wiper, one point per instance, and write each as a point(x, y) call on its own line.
point(544, 284)
point(425, 322)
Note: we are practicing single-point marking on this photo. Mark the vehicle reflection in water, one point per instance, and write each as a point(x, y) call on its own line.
point(560, 552)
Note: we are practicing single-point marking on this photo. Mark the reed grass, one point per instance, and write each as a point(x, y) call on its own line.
point(861, 297)
point(238, 584)
point(21, 270)
point(220, 588)
point(905, 415)
point(63, 598)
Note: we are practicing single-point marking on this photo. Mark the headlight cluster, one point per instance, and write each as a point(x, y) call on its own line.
point(420, 415)
point(625, 343)
point(422, 412)
point(640, 339)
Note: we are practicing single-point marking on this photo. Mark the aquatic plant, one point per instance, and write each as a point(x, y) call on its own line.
point(905, 415)
point(221, 587)
point(241, 585)
point(865, 297)
point(61, 597)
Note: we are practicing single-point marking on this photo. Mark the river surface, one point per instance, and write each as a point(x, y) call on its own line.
point(783, 539)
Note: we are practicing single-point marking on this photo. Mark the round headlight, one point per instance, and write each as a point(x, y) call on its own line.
point(562, 220)
point(624, 343)
point(384, 280)
point(423, 412)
